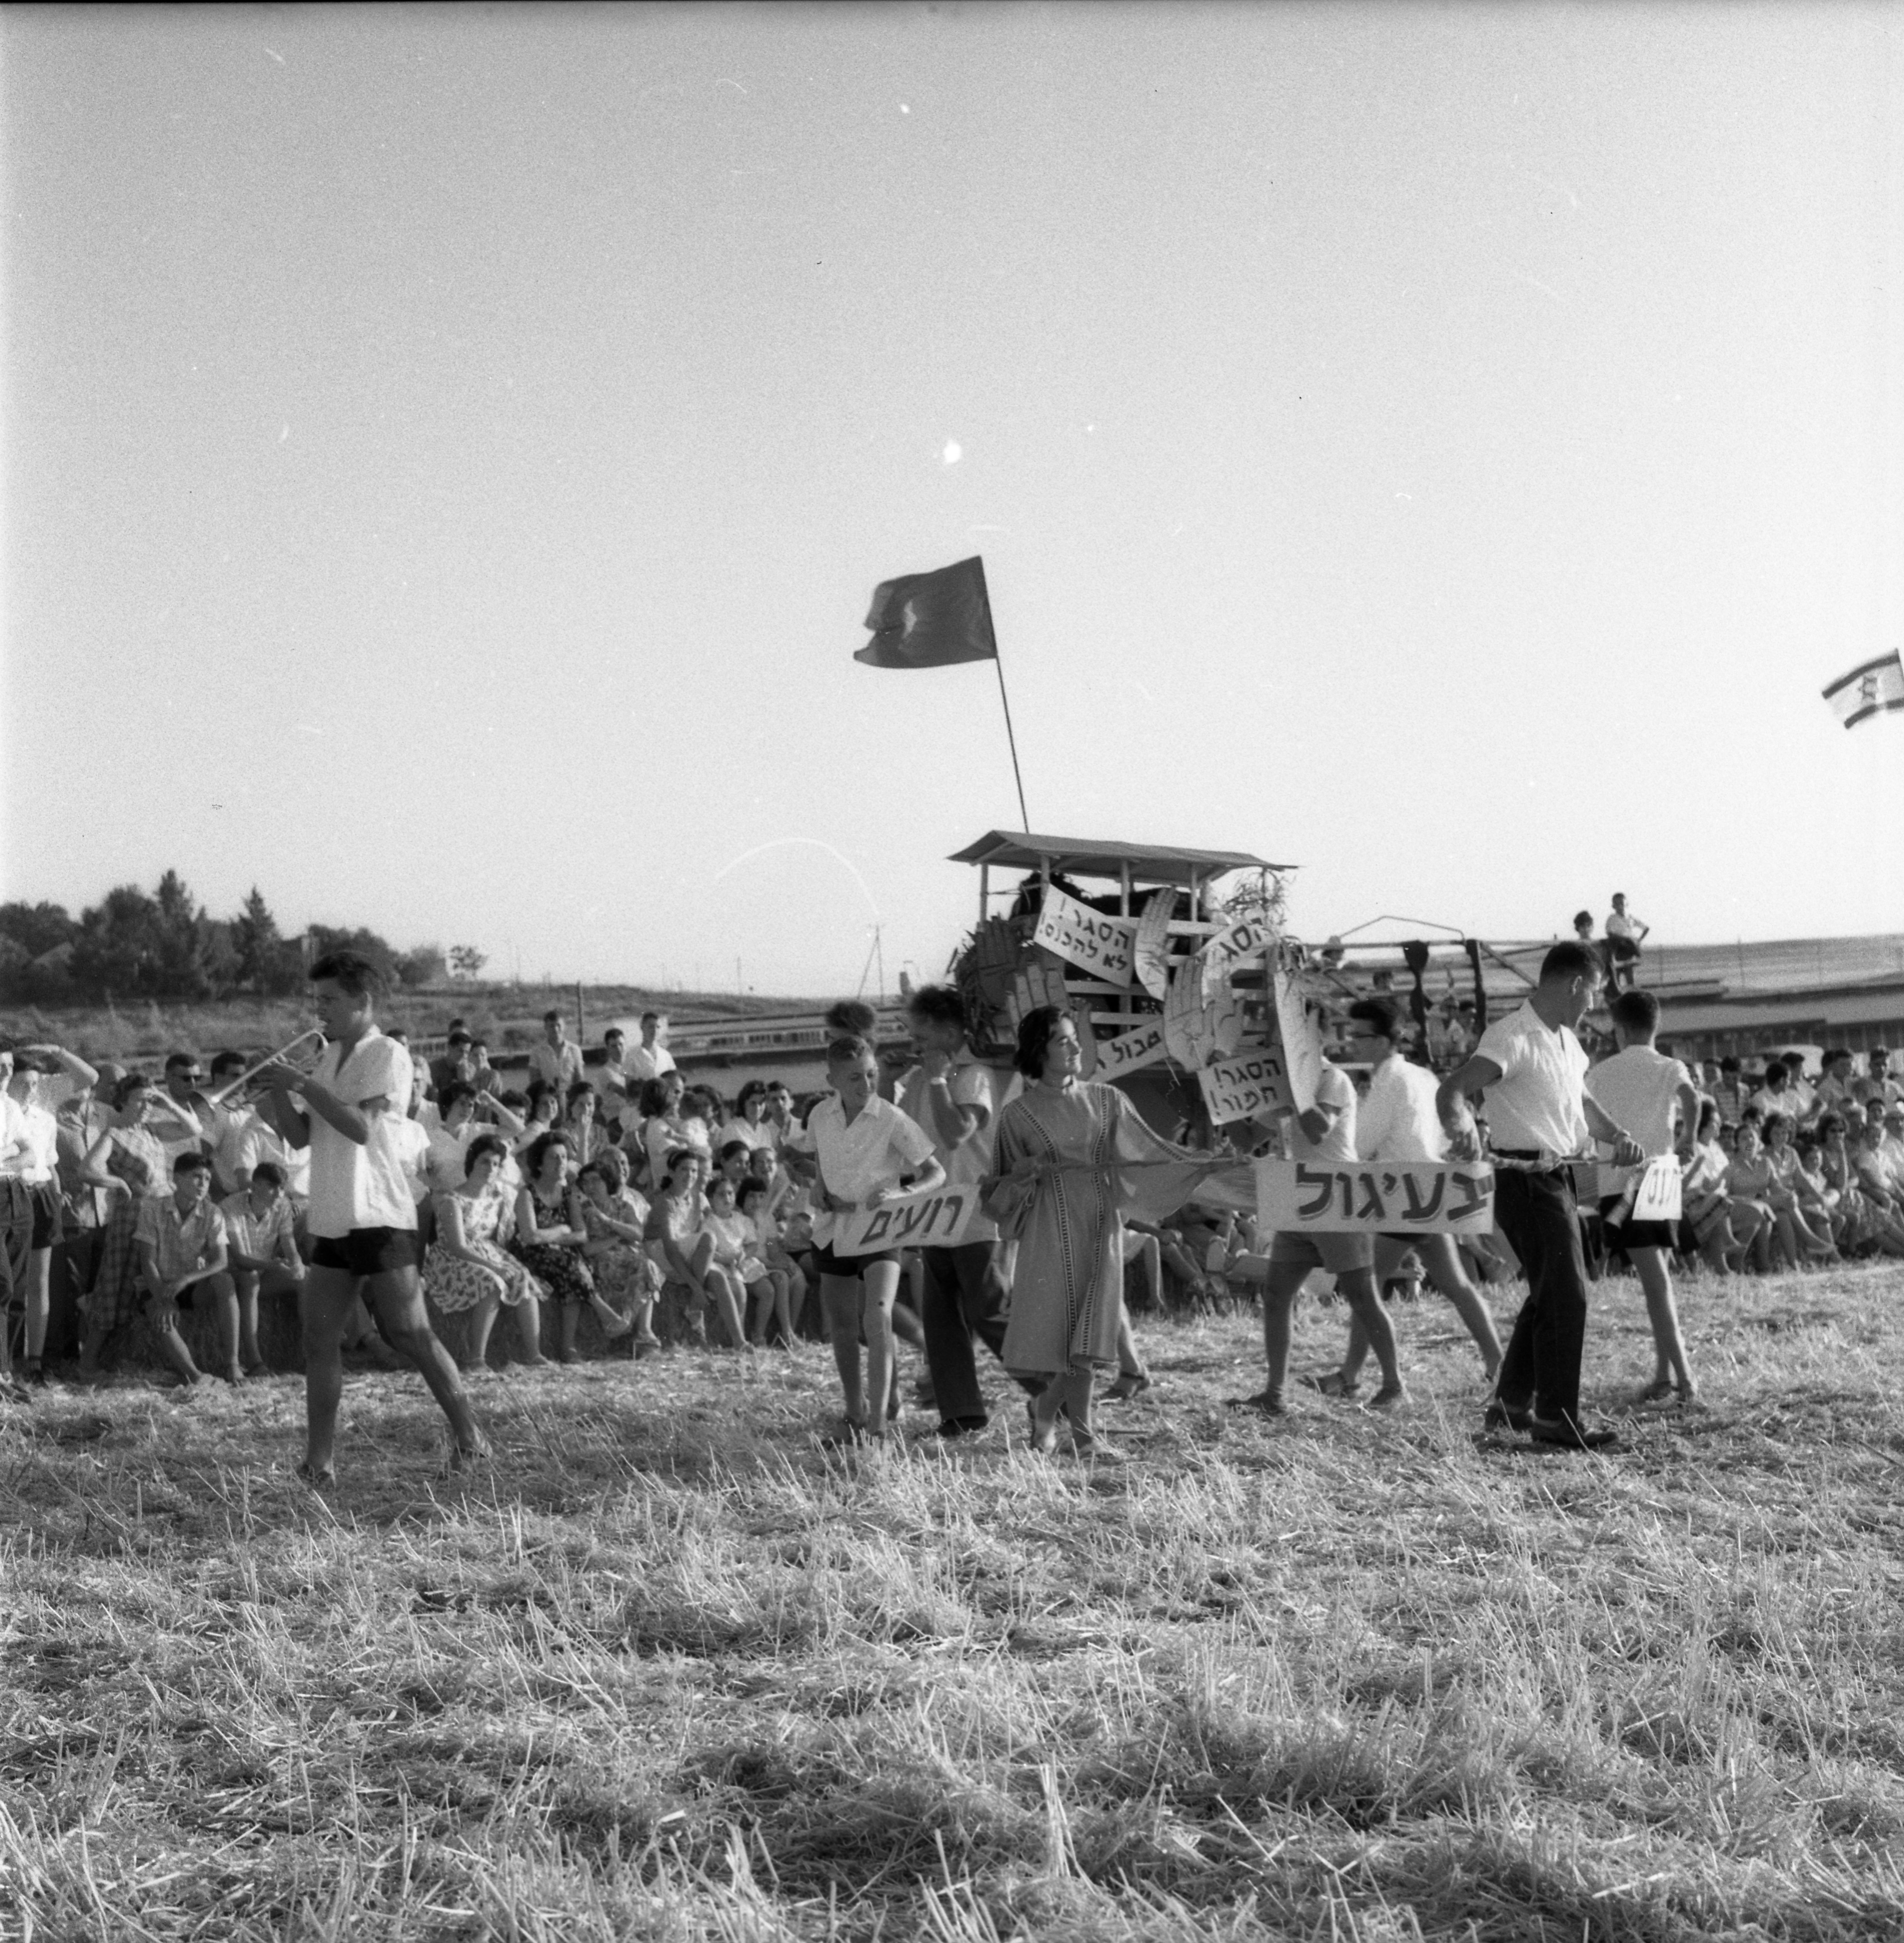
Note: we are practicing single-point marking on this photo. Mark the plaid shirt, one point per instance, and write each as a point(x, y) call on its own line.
point(183, 1245)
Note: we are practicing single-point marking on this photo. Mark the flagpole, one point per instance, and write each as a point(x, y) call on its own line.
point(998, 663)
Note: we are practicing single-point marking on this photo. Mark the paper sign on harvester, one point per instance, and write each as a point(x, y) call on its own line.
point(1101, 945)
point(1252, 1086)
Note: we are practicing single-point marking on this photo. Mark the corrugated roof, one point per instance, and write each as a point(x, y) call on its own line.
point(1095, 857)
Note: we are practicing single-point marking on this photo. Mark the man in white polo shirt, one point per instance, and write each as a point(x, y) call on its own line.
point(1397, 1121)
point(1531, 1069)
point(362, 1217)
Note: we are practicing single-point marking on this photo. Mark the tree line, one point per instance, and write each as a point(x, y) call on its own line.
point(163, 944)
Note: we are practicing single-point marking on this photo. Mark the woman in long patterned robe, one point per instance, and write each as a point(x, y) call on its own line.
point(1070, 1148)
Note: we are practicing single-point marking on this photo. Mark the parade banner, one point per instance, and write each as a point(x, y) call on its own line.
point(1102, 945)
point(1252, 1085)
point(937, 1220)
point(1296, 1026)
point(1131, 1051)
point(1395, 1197)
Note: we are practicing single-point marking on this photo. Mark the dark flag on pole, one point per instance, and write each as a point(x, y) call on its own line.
point(931, 620)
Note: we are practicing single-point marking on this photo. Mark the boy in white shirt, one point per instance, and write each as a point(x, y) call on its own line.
point(1654, 1098)
point(863, 1145)
point(363, 1213)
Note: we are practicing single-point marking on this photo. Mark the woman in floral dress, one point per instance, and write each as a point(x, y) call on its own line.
point(129, 1162)
point(466, 1270)
point(551, 1234)
point(616, 1218)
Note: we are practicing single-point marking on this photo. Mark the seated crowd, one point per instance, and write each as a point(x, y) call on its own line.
point(617, 1186)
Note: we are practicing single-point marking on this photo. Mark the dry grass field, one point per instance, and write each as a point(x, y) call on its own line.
point(671, 1670)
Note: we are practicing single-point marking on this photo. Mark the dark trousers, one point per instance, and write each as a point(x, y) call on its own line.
point(1536, 1214)
point(964, 1297)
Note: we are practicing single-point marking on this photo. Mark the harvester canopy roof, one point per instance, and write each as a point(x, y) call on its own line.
point(1095, 856)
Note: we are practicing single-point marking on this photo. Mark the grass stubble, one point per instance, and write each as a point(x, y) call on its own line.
point(669, 1671)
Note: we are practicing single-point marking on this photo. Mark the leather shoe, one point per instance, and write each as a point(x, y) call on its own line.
point(959, 1426)
point(1565, 1435)
point(1502, 1415)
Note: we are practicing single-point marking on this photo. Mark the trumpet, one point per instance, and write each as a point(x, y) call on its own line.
point(233, 1087)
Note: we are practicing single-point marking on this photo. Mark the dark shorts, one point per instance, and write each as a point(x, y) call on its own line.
point(49, 1225)
point(1341, 1254)
point(1634, 1234)
point(365, 1251)
point(850, 1268)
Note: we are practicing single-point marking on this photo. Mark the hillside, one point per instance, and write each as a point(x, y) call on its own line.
point(507, 1015)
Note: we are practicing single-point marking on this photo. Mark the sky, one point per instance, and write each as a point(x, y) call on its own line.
point(449, 454)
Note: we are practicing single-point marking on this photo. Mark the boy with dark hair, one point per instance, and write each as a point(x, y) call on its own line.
point(1648, 1093)
point(362, 1217)
point(182, 1245)
point(955, 1100)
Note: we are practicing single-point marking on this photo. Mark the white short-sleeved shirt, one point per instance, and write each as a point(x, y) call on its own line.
point(39, 1132)
point(1636, 1089)
point(647, 1062)
point(1398, 1120)
point(972, 1083)
point(1333, 1088)
point(366, 1187)
point(871, 1152)
point(756, 1133)
point(1535, 1104)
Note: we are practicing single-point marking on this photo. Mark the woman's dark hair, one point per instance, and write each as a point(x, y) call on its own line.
point(538, 1151)
point(752, 1186)
point(754, 1089)
point(730, 1148)
point(676, 1156)
point(540, 1093)
point(517, 1102)
point(1709, 1111)
point(1583, 918)
point(577, 1089)
point(1034, 1034)
point(593, 1168)
point(938, 1005)
point(456, 1090)
point(350, 971)
point(1829, 1124)
point(655, 1095)
point(132, 1083)
point(483, 1143)
point(1773, 1120)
